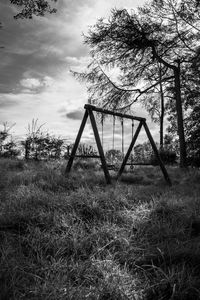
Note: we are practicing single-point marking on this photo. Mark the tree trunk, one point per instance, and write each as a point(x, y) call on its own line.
point(161, 130)
point(162, 113)
point(181, 134)
point(183, 154)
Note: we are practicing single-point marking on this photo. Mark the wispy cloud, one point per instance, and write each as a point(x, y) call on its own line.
point(75, 115)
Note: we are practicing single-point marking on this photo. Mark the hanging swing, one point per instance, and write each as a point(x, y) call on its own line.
point(102, 124)
point(132, 134)
point(113, 138)
point(112, 166)
point(122, 125)
point(113, 143)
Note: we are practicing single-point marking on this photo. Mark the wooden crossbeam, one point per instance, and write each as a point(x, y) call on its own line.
point(138, 164)
point(112, 113)
point(86, 156)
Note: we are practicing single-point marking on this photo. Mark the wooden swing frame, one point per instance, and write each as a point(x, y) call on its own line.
point(89, 109)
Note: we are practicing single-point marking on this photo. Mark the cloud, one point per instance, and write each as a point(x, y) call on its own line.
point(31, 83)
point(35, 84)
point(75, 115)
point(7, 103)
point(47, 45)
point(57, 98)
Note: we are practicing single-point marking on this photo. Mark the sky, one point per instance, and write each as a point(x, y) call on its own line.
point(36, 58)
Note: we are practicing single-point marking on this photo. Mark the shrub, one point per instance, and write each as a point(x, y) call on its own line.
point(167, 156)
point(194, 161)
point(86, 164)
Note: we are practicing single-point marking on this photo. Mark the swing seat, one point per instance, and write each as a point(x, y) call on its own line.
point(139, 164)
point(110, 167)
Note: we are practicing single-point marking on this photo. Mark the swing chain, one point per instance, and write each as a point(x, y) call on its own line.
point(113, 141)
point(122, 124)
point(132, 166)
point(102, 124)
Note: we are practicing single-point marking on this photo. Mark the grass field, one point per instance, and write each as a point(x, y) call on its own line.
point(78, 238)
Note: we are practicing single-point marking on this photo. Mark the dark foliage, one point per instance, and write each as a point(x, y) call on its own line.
point(167, 156)
point(33, 7)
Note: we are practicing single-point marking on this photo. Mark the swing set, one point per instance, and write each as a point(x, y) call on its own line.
point(89, 112)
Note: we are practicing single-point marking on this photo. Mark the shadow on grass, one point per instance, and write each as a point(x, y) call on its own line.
point(169, 262)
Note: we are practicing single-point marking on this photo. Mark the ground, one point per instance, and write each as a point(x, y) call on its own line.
point(77, 238)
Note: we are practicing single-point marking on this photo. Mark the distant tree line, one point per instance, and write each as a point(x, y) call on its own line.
point(38, 144)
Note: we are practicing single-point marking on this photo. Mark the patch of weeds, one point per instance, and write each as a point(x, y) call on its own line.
point(24, 222)
point(49, 180)
point(91, 206)
point(23, 178)
point(173, 277)
point(86, 164)
point(12, 164)
point(115, 278)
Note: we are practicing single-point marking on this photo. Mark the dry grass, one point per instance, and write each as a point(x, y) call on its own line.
point(77, 238)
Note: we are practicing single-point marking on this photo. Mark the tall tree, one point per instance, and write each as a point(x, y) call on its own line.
point(155, 100)
point(164, 32)
point(183, 18)
point(193, 135)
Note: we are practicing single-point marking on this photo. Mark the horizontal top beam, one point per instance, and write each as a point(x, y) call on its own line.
point(113, 113)
point(85, 156)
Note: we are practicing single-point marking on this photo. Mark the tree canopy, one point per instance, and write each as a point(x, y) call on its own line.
point(132, 42)
point(33, 7)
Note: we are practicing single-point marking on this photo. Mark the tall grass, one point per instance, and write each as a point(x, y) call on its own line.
point(77, 238)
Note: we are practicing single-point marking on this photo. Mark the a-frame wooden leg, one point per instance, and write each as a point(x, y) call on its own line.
point(99, 146)
point(157, 153)
point(129, 150)
point(71, 159)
